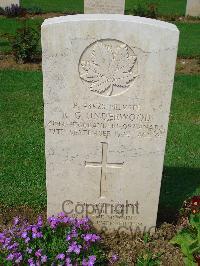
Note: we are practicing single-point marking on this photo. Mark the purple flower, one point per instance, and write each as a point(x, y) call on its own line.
point(91, 237)
point(13, 246)
point(10, 257)
point(18, 257)
point(40, 221)
point(65, 220)
point(24, 235)
point(53, 222)
point(90, 262)
point(2, 237)
point(29, 250)
point(39, 235)
point(27, 240)
point(74, 233)
point(10, 247)
point(60, 256)
point(61, 215)
point(38, 253)
point(7, 240)
point(16, 221)
point(68, 262)
point(29, 228)
point(44, 259)
point(113, 258)
point(68, 237)
point(34, 235)
point(31, 262)
point(74, 248)
point(84, 262)
point(34, 229)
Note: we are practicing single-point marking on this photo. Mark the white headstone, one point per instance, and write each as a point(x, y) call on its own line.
point(8, 3)
point(193, 8)
point(107, 91)
point(104, 6)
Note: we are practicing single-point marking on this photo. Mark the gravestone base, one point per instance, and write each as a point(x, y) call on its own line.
point(104, 6)
point(8, 3)
point(193, 8)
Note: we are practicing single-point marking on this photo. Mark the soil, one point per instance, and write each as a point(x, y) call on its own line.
point(180, 19)
point(7, 215)
point(183, 66)
point(127, 247)
point(8, 62)
point(188, 66)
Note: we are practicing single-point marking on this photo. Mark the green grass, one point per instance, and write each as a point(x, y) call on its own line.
point(22, 178)
point(165, 7)
point(181, 177)
point(22, 174)
point(188, 46)
point(55, 6)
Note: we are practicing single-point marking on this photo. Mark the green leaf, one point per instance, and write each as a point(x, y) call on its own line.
point(195, 223)
point(189, 262)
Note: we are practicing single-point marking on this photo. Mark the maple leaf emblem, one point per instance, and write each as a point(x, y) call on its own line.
point(108, 68)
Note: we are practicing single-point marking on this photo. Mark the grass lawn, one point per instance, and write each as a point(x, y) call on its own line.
point(165, 7)
point(22, 163)
point(22, 174)
point(181, 177)
point(188, 46)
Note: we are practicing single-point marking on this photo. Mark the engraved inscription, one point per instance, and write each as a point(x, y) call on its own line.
point(104, 6)
point(107, 120)
point(108, 67)
point(104, 165)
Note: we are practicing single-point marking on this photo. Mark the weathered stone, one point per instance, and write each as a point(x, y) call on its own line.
point(8, 3)
point(193, 8)
point(107, 91)
point(104, 6)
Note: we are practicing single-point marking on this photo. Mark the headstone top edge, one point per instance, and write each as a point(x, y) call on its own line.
point(109, 17)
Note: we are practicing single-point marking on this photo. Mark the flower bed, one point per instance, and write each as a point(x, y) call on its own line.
point(61, 241)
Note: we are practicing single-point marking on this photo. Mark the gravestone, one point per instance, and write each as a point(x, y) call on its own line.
point(107, 91)
point(104, 6)
point(8, 3)
point(193, 8)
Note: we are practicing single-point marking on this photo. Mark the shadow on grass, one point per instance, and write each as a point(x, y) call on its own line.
point(177, 185)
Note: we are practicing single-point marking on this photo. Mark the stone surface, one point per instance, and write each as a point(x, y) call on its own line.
point(5, 3)
point(107, 91)
point(104, 6)
point(193, 8)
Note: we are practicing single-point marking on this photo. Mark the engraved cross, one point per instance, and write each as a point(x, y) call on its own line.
point(103, 165)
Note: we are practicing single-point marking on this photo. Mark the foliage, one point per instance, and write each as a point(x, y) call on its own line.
point(35, 10)
point(14, 11)
point(189, 240)
point(60, 241)
point(2, 12)
point(146, 237)
point(144, 10)
point(25, 45)
point(148, 259)
point(190, 206)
